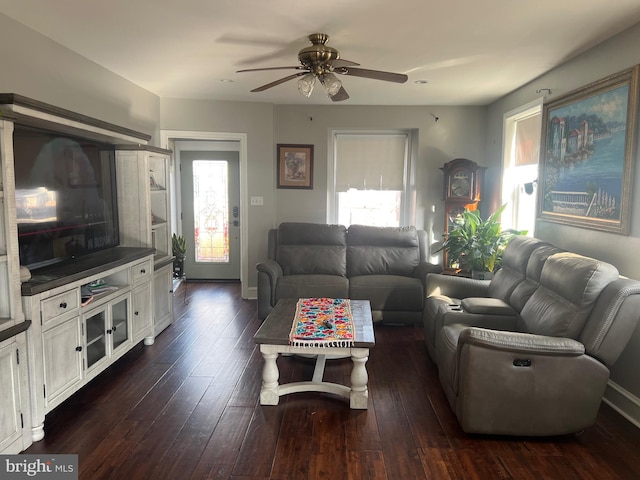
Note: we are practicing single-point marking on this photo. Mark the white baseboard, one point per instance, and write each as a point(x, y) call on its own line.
point(252, 293)
point(623, 402)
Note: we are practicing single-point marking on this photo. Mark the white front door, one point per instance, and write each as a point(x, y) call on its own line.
point(210, 194)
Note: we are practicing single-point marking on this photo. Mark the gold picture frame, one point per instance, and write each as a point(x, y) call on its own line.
point(295, 166)
point(587, 154)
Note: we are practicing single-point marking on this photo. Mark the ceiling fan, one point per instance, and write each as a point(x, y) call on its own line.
point(321, 62)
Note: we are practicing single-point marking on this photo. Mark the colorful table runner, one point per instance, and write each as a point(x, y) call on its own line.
point(322, 322)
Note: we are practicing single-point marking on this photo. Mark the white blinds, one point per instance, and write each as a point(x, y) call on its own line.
point(528, 140)
point(372, 161)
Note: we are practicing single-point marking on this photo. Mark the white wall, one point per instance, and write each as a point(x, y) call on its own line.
point(35, 67)
point(610, 57)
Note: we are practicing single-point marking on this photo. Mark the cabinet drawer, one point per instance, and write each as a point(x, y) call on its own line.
point(141, 272)
point(59, 305)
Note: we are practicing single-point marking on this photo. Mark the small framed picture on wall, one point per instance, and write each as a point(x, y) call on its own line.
point(295, 166)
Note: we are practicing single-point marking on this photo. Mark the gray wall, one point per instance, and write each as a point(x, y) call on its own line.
point(459, 132)
point(256, 120)
point(615, 55)
point(36, 67)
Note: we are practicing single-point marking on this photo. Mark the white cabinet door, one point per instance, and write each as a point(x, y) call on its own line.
point(10, 422)
point(163, 298)
point(142, 319)
point(62, 358)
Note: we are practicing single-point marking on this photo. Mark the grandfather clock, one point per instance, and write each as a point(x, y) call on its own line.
point(463, 181)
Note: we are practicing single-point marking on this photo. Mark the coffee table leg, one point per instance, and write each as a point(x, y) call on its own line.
point(269, 393)
point(359, 392)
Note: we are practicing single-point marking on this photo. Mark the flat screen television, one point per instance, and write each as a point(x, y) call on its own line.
point(66, 202)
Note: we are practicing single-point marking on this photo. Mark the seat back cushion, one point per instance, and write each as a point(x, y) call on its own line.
point(382, 250)
point(569, 287)
point(522, 293)
point(312, 248)
point(514, 266)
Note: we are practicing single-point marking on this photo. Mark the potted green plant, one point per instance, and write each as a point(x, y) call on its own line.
point(179, 250)
point(477, 245)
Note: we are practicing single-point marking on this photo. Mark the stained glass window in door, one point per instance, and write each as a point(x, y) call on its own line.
point(211, 211)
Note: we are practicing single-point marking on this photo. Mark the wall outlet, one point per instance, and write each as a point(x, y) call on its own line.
point(257, 200)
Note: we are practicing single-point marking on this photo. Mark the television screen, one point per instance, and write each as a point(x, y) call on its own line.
point(66, 202)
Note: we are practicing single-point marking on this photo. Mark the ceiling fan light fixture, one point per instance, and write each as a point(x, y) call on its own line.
point(330, 83)
point(306, 83)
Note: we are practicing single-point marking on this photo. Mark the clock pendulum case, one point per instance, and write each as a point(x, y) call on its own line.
point(463, 180)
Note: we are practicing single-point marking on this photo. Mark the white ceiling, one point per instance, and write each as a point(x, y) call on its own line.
point(471, 52)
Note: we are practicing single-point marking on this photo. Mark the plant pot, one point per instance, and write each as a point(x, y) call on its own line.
point(475, 274)
point(178, 267)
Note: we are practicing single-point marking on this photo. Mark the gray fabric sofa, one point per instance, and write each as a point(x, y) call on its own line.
point(387, 266)
point(528, 353)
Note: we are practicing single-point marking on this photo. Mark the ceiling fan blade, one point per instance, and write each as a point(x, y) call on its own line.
point(339, 63)
point(375, 74)
point(340, 96)
point(278, 82)
point(297, 67)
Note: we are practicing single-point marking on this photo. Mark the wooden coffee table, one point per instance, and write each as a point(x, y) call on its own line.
point(273, 338)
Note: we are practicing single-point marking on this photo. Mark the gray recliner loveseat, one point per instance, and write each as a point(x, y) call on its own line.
point(387, 266)
point(528, 353)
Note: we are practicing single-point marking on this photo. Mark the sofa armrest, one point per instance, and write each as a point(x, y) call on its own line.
point(526, 343)
point(456, 287)
point(510, 383)
point(269, 272)
point(487, 306)
point(424, 269)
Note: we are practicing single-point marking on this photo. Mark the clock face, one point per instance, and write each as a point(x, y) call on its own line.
point(460, 184)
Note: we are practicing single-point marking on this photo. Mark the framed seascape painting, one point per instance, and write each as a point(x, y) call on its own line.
point(295, 166)
point(587, 154)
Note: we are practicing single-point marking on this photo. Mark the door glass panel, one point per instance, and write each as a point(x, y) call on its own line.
point(119, 323)
point(96, 344)
point(211, 211)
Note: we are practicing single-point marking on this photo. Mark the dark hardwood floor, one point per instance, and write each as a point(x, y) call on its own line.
point(187, 407)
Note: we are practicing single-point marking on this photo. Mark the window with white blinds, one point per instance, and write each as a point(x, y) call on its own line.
point(370, 161)
point(369, 178)
point(522, 128)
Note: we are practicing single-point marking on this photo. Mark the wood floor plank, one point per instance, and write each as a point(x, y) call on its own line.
point(187, 407)
point(223, 446)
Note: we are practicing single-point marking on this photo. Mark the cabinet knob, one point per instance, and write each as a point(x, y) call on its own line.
point(114, 328)
point(109, 332)
point(143, 270)
point(63, 305)
point(136, 313)
point(79, 348)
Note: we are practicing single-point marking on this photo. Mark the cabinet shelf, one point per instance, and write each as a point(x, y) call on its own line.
point(95, 339)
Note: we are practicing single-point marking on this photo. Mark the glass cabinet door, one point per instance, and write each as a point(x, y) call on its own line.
point(95, 326)
point(120, 322)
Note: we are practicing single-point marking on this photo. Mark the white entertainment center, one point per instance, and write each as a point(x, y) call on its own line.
point(63, 324)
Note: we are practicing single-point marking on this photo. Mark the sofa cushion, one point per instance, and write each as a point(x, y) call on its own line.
point(312, 248)
point(514, 266)
point(310, 285)
point(522, 293)
point(569, 287)
point(382, 250)
point(388, 292)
